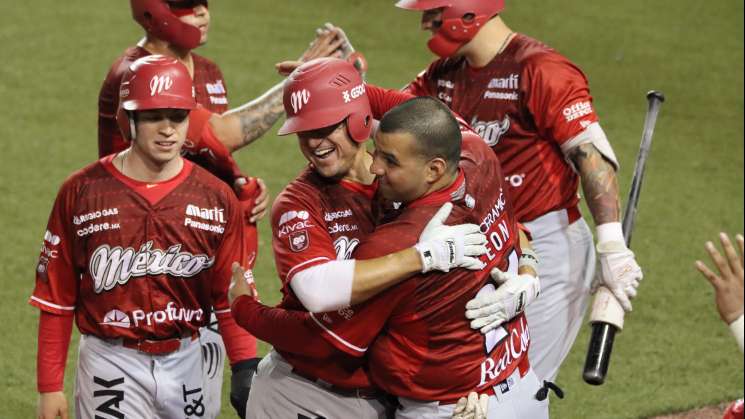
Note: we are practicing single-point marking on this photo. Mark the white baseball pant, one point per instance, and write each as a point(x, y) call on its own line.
point(213, 356)
point(117, 382)
point(513, 399)
point(566, 267)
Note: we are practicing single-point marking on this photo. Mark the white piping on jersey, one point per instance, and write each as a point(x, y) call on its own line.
point(337, 337)
point(294, 268)
point(47, 303)
point(227, 310)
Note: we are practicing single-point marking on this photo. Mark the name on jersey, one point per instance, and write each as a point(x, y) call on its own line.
point(112, 266)
point(515, 345)
point(495, 227)
point(491, 131)
point(84, 218)
point(171, 313)
point(331, 216)
point(578, 110)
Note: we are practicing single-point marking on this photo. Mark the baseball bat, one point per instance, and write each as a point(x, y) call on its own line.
point(607, 314)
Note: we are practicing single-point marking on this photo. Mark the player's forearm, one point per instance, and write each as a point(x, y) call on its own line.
point(238, 343)
point(599, 183)
point(53, 344)
point(243, 125)
point(373, 276)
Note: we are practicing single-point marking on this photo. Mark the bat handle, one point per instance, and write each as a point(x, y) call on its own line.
point(598, 354)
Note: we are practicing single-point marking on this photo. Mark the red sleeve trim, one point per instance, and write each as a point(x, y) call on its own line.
point(53, 344)
point(48, 307)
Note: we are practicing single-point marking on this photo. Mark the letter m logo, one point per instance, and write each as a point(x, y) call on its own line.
point(159, 84)
point(299, 99)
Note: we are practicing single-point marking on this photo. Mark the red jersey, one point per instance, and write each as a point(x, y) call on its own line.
point(421, 345)
point(209, 89)
point(525, 104)
point(314, 221)
point(136, 260)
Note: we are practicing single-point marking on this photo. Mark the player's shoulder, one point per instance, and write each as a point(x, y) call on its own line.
point(305, 190)
point(79, 180)
point(532, 53)
point(444, 66)
point(205, 63)
point(210, 184)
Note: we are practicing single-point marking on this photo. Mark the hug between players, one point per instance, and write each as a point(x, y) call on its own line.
point(433, 259)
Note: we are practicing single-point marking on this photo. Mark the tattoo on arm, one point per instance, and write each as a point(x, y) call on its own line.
point(259, 115)
point(599, 183)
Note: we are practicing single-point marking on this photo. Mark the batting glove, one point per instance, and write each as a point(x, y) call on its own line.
point(619, 271)
point(515, 292)
point(442, 247)
point(472, 407)
point(240, 384)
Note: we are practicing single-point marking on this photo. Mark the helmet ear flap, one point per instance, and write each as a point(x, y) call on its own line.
point(359, 126)
point(132, 126)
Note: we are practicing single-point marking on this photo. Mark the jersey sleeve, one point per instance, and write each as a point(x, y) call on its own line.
point(110, 139)
point(230, 250)
point(420, 86)
point(382, 100)
point(300, 238)
point(57, 277)
point(558, 97)
point(205, 148)
point(353, 329)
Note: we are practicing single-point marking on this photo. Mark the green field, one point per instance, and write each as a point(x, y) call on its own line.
point(674, 354)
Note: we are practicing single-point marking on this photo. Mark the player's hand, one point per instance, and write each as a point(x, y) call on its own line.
point(52, 405)
point(619, 272)
point(262, 202)
point(472, 407)
point(514, 293)
point(728, 284)
point(242, 284)
point(326, 44)
point(345, 48)
point(242, 372)
point(442, 247)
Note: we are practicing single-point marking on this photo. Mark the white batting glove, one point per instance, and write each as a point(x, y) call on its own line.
point(442, 247)
point(515, 292)
point(619, 271)
point(472, 407)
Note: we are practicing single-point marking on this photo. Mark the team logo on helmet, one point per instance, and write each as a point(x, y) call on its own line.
point(299, 99)
point(354, 93)
point(159, 84)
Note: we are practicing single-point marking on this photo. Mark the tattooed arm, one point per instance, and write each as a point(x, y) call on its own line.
point(240, 127)
point(599, 183)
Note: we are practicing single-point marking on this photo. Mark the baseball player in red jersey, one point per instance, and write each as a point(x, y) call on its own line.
point(318, 220)
point(138, 250)
point(418, 344)
point(175, 28)
point(533, 107)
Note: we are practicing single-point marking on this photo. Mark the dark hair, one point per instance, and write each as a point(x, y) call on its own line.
point(433, 126)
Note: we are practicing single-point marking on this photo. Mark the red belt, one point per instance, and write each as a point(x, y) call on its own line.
point(573, 214)
point(157, 346)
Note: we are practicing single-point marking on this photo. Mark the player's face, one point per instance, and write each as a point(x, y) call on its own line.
point(200, 18)
point(160, 134)
point(401, 170)
point(330, 150)
point(432, 20)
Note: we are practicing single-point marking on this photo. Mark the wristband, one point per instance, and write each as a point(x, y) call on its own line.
point(528, 258)
point(737, 327)
point(609, 232)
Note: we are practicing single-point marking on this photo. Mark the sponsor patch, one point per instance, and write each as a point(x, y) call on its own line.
point(491, 131)
point(578, 110)
point(353, 93)
point(291, 215)
point(116, 318)
point(299, 241)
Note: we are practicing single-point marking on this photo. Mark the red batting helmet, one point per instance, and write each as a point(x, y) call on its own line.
point(461, 21)
point(325, 92)
point(153, 82)
point(156, 17)
point(735, 411)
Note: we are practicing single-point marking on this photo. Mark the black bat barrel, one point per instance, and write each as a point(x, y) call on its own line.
point(598, 354)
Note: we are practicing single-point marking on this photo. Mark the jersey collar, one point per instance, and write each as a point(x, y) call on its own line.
point(454, 192)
